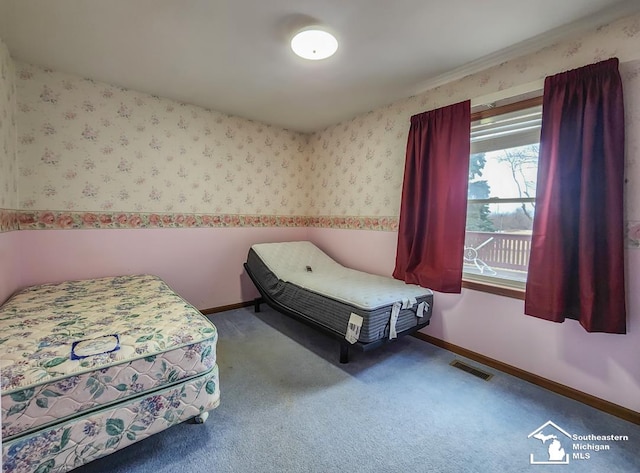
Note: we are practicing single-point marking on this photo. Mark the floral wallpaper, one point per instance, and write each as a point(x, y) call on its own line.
point(357, 166)
point(90, 146)
point(93, 155)
point(630, 73)
point(8, 164)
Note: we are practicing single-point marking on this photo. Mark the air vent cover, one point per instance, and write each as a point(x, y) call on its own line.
point(470, 369)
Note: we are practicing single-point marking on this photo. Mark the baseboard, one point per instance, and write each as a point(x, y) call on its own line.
point(588, 399)
point(224, 308)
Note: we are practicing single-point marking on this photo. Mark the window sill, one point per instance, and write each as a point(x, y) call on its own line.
point(494, 289)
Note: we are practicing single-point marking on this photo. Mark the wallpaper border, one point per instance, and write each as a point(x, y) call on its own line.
point(52, 219)
point(385, 224)
point(9, 220)
point(13, 220)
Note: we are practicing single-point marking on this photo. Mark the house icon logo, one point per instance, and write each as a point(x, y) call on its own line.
point(552, 437)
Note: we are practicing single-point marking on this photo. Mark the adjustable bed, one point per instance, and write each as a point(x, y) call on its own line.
point(89, 367)
point(359, 309)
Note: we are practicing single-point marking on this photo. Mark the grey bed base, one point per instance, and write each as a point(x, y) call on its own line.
point(329, 315)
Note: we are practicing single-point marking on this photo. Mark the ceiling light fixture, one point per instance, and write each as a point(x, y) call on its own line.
point(314, 43)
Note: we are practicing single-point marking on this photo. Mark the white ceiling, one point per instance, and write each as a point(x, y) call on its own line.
point(233, 55)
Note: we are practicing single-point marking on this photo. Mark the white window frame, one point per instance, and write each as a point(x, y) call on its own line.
point(517, 125)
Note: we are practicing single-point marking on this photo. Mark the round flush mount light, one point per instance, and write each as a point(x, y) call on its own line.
point(314, 44)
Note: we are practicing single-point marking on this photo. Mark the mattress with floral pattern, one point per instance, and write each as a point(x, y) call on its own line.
point(69, 351)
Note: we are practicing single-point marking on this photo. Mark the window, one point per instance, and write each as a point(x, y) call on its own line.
point(501, 193)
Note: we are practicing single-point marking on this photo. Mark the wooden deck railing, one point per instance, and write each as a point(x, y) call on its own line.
point(500, 250)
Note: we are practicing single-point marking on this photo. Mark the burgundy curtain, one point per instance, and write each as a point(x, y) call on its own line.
point(576, 269)
point(433, 209)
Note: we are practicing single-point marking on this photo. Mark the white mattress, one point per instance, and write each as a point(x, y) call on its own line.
point(289, 262)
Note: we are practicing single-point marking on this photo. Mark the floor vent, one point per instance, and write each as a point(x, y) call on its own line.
point(470, 369)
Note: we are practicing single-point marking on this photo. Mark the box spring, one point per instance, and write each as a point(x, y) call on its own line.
point(81, 349)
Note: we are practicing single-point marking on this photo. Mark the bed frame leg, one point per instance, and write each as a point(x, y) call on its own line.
point(201, 418)
point(344, 353)
point(256, 304)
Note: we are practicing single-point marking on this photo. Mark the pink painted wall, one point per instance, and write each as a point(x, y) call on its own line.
point(358, 249)
point(10, 269)
point(204, 265)
point(602, 365)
